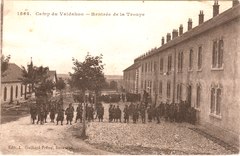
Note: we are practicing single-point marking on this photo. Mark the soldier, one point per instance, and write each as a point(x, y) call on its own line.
point(79, 113)
point(118, 114)
point(110, 113)
point(33, 112)
point(138, 110)
point(52, 113)
point(60, 116)
point(166, 112)
point(91, 114)
point(40, 114)
point(143, 113)
point(135, 113)
point(69, 112)
point(171, 114)
point(158, 113)
point(149, 111)
point(101, 113)
point(126, 114)
point(161, 109)
point(113, 112)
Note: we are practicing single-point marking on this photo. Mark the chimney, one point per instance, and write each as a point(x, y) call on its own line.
point(215, 8)
point(168, 37)
point(234, 3)
point(174, 33)
point(189, 24)
point(201, 18)
point(162, 40)
point(181, 30)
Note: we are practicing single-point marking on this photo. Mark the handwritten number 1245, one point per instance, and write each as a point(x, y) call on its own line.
point(23, 13)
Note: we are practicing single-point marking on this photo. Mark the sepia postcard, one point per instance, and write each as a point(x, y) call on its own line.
point(120, 77)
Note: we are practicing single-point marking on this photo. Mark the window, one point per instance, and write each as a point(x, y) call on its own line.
point(179, 92)
point(160, 88)
point(21, 90)
point(161, 65)
point(169, 63)
point(220, 53)
point(168, 89)
point(218, 101)
point(180, 61)
point(142, 68)
point(199, 57)
point(145, 67)
point(155, 66)
point(150, 87)
point(141, 84)
point(151, 64)
point(16, 93)
point(217, 54)
point(216, 96)
point(5, 94)
point(212, 100)
point(145, 85)
point(190, 59)
point(198, 100)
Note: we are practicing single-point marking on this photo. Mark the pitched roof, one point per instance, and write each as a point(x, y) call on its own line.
point(133, 66)
point(225, 17)
point(12, 74)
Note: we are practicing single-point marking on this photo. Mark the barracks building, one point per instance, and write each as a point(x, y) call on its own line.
point(200, 66)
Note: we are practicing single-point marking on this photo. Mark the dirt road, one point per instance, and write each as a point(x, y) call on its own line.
point(21, 137)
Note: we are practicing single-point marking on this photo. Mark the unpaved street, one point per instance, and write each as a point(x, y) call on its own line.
point(21, 137)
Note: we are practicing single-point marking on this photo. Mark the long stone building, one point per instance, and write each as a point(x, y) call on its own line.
point(201, 66)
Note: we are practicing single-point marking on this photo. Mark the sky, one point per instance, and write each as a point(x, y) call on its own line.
point(54, 40)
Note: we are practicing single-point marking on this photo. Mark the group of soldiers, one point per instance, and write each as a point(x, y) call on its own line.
point(174, 112)
point(115, 113)
point(54, 108)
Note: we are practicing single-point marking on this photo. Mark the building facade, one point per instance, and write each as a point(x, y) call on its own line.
point(12, 89)
point(200, 66)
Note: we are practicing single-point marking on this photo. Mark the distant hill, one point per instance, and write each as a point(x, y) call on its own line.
point(114, 77)
point(108, 77)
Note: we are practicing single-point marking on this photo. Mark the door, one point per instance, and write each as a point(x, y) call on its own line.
point(11, 94)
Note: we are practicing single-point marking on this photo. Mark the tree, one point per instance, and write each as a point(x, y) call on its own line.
point(88, 76)
point(60, 85)
point(33, 75)
point(4, 64)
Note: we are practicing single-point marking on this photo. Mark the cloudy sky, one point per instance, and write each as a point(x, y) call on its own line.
point(53, 40)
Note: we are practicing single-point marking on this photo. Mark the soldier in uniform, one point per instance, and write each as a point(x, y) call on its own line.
point(149, 111)
point(79, 113)
point(126, 114)
point(135, 113)
point(91, 114)
point(143, 113)
point(161, 109)
point(113, 112)
point(69, 112)
point(101, 113)
point(52, 112)
point(110, 113)
point(158, 113)
point(171, 113)
point(41, 115)
point(166, 112)
point(60, 116)
point(33, 112)
point(118, 114)
point(138, 110)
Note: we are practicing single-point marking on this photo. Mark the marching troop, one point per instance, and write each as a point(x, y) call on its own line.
point(174, 112)
point(137, 112)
